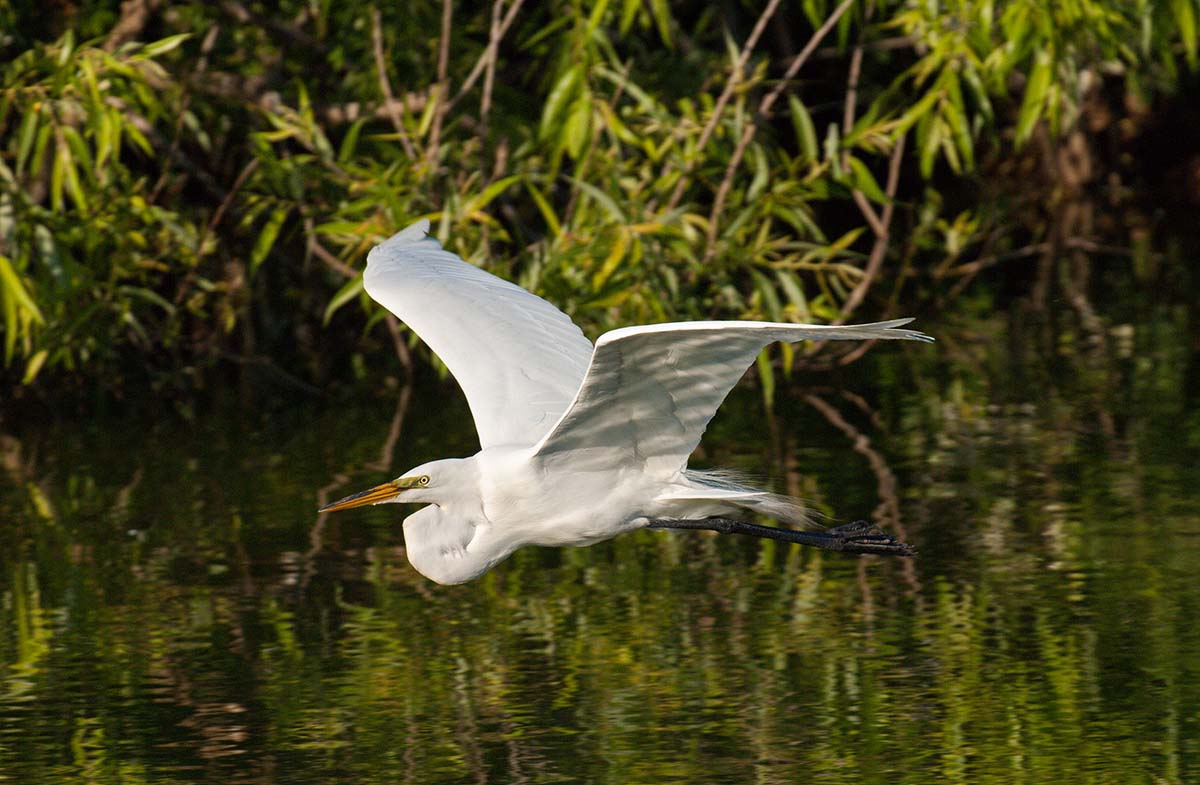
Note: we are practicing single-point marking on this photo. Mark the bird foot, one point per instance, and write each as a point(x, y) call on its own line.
point(863, 537)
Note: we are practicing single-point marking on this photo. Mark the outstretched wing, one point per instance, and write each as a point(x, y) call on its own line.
point(519, 359)
point(650, 391)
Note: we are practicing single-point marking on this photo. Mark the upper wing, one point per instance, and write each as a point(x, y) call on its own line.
point(650, 391)
point(519, 359)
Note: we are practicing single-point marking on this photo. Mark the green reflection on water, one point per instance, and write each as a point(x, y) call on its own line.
point(173, 609)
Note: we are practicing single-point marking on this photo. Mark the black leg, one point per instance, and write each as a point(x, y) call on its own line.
point(857, 537)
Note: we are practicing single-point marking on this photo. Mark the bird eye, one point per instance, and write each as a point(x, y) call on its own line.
point(424, 479)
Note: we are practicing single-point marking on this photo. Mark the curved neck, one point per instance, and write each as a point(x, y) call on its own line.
point(445, 547)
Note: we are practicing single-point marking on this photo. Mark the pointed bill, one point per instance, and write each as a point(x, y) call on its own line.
point(380, 493)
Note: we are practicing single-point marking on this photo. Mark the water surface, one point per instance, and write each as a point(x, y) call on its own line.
point(174, 610)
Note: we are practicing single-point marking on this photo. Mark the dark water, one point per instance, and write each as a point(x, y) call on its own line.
point(173, 610)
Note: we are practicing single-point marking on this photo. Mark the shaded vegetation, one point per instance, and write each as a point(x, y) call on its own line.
point(190, 186)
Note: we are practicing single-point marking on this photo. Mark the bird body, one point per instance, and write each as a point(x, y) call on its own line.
point(579, 443)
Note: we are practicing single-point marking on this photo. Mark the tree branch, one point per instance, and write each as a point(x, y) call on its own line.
point(390, 104)
point(443, 84)
point(134, 16)
point(735, 79)
point(764, 110)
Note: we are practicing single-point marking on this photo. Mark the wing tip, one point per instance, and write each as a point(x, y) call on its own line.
point(871, 331)
point(409, 235)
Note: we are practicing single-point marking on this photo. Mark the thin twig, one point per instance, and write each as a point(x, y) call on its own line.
point(401, 348)
point(868, 213)
point(764, 109)
point(323, 253)
point(482, 63)
point(389, 100)
point(879, 249)
point(800, 59)
point(851, 101)
point(735, 79)
point(443, 84)
point(181, 112)
point(489, 72)
point(337, 265)
point(848, 112)
point(135, 14)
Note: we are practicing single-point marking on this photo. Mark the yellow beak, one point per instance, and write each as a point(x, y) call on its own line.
point(380, 493)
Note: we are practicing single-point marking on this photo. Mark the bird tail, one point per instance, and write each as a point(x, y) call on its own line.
point(731, 488)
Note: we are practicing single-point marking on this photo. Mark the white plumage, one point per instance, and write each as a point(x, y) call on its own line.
point(579, 443)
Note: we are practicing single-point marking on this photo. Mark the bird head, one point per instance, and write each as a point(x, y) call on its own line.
point(418, 485)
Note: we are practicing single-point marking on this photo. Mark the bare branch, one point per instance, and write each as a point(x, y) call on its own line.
point(346, 271)
point(851, 101)
point(764, 109)
point(443, 83)
point(879, 249)
point(848, 111)
point(134, 16)
point(868, 213)
point(482, 63)
point(391, 105)
point(489, 71)
point(735, 79)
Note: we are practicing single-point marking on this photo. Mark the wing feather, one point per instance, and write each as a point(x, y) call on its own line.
point(650, 391)
point(519, 359)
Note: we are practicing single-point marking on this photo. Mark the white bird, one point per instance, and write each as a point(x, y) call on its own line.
point(579, 443)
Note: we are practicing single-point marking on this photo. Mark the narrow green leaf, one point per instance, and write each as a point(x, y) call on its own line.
point(544, 207)
point(1185, 18)
point(577, 131)
point(865, 181)
point(833, 151)
point(615, 256)
point(771, 306)
point(73, 186)
point(918, 111)
point(350, 142)
point(662, 20)
point(435, 96)
point(629, 9)
point(930, 146)
point(34, 365)
point(149, 295)
point(766, 375)
point(606, 202)
point(794, 289)
point(762, 174)
point(352, 289)
point(484, 198)
point(57, 174)
point(266, 237)
point(596, 17)
point(164, 45)
point(66, 47)
point(14, 288)
point(806, 132)
point(25, 136)
point(1035, 96)
point(561, 96)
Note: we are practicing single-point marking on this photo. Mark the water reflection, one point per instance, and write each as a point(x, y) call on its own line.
point(173, 609)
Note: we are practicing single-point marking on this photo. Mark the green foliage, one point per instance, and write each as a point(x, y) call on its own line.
point(87, 253)
point(172, 203)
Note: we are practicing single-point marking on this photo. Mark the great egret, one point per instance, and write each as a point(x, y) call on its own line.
point(579, 443)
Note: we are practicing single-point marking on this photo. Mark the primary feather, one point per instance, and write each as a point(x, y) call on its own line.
point(517, 357)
